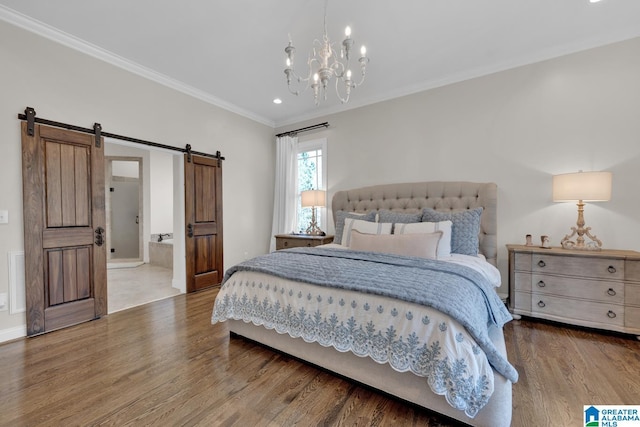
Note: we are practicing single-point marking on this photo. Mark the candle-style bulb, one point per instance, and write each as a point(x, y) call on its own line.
point(348, 74)
point(363, 51)
point(288, 63)
point(316, 77)
point(347, 31)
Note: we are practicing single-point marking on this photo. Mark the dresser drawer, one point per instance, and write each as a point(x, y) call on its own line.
point(603, 291)
point(522, 261)
point(553, 307)
point(590, 267)
point(523, 282)
point(522, 302)
point(632, 271)
point(632, 317)
point(293, 243)
point(632, 295)
point(286, 241)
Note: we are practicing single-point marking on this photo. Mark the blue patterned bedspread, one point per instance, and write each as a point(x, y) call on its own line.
point(453, 289)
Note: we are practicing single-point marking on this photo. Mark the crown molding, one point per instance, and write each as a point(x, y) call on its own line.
point(40, 28)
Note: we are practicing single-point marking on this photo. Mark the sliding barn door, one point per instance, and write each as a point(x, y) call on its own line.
point(203, 217)
point(64, 221)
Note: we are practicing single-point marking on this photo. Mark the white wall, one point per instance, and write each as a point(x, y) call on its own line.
point(516, 128)
point(67, 86)
point(161, 192)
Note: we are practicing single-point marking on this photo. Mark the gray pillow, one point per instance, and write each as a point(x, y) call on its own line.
point(342, 215)
point(398, 217)
point(465, 229)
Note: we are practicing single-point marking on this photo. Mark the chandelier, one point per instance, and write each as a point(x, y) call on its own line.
point(324, 64)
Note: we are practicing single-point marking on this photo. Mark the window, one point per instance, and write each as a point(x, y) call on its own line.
point(312, 175)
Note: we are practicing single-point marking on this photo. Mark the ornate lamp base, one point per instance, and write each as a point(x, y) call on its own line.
point(313, 228)
point(594, 245)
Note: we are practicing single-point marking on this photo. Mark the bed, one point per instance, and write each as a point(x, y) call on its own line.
point(367, 315)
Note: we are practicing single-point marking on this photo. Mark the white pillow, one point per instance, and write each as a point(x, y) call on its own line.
point(444, 248)
point(363, 227)
point(422, 245)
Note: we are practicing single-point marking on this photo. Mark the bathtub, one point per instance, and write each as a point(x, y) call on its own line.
point(161, 253)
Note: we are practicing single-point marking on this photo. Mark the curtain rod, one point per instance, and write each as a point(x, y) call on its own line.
point(308, 128)
point(29, 115)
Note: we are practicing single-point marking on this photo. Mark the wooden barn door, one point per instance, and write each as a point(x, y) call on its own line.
point(64, 221)
point(203, 221)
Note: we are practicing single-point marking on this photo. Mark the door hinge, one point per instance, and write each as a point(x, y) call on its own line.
point(188, 150)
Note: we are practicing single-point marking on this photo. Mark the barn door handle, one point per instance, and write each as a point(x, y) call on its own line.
point(190, 230)
point(99, 240)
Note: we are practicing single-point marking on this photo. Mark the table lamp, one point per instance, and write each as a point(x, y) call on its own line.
point(582, 187)
point(313, 199)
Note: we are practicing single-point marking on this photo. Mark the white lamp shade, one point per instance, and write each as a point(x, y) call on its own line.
point(585, 186)
point(311, 198)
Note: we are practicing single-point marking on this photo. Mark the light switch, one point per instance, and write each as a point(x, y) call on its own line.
point(4, 217)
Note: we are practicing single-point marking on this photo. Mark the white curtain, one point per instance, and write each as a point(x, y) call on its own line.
point(286, 185)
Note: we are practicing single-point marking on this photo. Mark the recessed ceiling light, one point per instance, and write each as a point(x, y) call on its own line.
point(277, 101)
point(594, 1)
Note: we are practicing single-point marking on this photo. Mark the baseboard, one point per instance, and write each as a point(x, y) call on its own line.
point(12, 333)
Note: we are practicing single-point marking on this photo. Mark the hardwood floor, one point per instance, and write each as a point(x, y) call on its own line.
point(165, 364)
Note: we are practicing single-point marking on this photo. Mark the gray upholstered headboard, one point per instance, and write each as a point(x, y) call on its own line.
point(441, 196)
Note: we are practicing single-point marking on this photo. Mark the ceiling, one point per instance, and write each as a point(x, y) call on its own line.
point(231, 53)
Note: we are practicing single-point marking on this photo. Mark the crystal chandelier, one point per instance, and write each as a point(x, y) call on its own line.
point(324, 65)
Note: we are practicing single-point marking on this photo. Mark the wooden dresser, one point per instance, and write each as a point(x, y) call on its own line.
point(598, 289)
point(286, 241)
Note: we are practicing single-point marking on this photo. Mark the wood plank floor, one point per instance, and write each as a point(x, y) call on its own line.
point(165, 364)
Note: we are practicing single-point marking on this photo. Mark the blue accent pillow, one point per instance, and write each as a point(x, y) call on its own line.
point(398, 217)
point(465, 230)
point(342, 215)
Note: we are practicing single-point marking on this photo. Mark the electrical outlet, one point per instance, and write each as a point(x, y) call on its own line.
point(4, 217)
point(4, 304)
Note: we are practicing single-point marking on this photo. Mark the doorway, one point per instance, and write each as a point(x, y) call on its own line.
point(151, 273)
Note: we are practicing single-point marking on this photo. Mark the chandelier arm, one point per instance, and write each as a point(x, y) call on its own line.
point(355, 85)
point(347, 84)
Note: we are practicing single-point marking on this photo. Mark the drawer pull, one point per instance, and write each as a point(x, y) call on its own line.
point(541, 263)
point(542, 304)
point(611, 292)
point(286, 243)
point(542, 284)
point(611, 314)
point(611, 269)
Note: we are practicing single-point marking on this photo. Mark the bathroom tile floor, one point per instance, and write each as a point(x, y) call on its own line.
point(129, 287)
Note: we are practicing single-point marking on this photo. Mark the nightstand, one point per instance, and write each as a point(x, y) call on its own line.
point(286, 241)
point(597, 289)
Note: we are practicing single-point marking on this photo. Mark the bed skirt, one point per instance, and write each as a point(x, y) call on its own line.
point(403, 385)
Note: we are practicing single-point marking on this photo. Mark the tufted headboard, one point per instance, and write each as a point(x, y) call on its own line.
point(441, 196)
